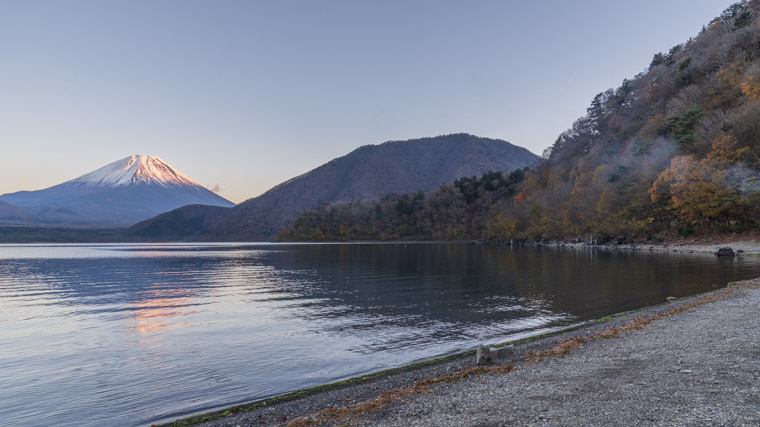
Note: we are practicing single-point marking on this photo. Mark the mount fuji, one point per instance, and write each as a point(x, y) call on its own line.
point(118, 194)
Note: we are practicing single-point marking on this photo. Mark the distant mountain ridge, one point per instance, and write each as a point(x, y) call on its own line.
point(10, 214)
point(118, 194)
point(369, 172)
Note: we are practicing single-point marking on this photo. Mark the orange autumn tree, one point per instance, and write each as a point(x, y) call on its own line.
point(695, 192)
point(726, 151)
point(751, 88)
point(501, 228)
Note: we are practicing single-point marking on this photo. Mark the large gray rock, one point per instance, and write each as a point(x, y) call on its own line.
point(486, 355)
point(728, 252)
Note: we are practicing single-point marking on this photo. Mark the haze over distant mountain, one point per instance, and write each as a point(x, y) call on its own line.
point(12, 215)
point(118, 194)
point(369, 172)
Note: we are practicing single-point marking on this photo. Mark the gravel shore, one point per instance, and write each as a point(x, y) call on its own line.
point(707, 246)
point(700, 367)
point(744, 247)
point(697, 367)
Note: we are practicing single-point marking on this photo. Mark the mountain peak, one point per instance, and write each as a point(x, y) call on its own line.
point(135, 169)
point(118, 194)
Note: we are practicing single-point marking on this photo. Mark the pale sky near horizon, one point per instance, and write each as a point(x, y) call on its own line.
point(247, 94)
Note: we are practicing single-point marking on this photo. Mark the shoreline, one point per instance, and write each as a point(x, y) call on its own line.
point(460, 360)
point(706, 246)
point(283, 409)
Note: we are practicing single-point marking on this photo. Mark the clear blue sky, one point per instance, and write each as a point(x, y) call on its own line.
point(247, 94)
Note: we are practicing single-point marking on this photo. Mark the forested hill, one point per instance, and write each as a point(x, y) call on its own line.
point(369, 172)
point(674, 150)
point(462, 210)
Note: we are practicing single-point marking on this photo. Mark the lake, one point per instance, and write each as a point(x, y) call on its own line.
point(137, 334)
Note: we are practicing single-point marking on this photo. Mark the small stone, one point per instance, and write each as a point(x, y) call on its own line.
point(486, 355)
point(685, 371)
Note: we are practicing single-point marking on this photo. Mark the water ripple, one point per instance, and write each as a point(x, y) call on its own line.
point(136, 334)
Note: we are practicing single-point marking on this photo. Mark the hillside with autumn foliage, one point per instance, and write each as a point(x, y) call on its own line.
point(673, 151)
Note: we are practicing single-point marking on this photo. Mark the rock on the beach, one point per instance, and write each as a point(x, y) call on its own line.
point(486, 355)
point(725, 252)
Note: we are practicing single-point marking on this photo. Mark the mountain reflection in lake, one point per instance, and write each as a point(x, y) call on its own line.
point(134, 334)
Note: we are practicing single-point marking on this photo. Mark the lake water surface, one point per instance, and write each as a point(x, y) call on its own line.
point(137, 334)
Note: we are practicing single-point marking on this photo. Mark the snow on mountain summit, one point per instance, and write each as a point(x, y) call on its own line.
point(134, 170)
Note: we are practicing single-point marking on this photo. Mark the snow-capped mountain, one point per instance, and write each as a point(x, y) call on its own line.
point(118, 194)
point(135, 170)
